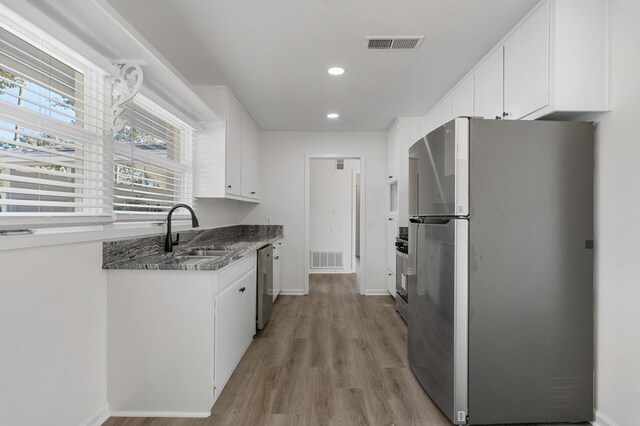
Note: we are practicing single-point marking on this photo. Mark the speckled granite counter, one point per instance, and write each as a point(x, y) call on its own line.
point(148, 252)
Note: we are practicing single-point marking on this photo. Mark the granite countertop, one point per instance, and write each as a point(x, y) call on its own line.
point(148, 252)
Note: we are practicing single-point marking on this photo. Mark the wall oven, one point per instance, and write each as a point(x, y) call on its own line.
point(402, 257)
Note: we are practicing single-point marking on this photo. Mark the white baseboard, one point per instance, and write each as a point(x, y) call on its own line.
point(603, 420)
point(384, 292)
point(100, 416)
point(189, 414)
point(291, 292)
point(330, 271)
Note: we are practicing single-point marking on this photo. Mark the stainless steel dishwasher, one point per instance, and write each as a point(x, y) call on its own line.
point(265, 286)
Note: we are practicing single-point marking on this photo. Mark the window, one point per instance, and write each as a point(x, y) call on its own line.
point(60, 162)
point(54, 163)
point(152, 162)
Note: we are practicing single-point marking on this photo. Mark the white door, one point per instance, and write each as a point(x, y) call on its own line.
point(248, 158)
point(489, 87)
point(462, 99)
point(277, 269)
point(234, 148)
point(234, 326)
point(526, 66)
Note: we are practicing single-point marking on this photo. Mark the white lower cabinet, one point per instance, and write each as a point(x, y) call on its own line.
point(235, 325)
point(277, 268)
point(392, 233)
point(175, 337)
point(391, 283)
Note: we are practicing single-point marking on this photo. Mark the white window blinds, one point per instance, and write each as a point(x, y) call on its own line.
point(55, 167)
point(152, 162)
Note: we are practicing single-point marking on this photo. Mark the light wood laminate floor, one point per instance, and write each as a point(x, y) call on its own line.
point(330, 358)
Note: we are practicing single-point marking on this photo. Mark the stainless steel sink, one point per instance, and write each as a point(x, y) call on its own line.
point(204, 253)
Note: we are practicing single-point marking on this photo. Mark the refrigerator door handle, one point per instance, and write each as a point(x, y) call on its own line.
point(461, 323)
point(412, 267)
point(432, 220)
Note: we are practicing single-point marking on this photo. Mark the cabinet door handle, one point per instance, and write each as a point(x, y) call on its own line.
point(228, 186)
point(253, 192)
point(390, 177)
point(389, 273)
point(277, 257)
point(242, 289)
point(506, 114)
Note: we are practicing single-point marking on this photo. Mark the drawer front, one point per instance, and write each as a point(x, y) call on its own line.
point(231, 273)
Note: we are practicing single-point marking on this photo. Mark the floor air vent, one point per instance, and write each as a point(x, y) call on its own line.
point(393, 42)
point(327, 260)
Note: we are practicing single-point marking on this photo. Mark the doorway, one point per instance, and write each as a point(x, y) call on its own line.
point(334, 211)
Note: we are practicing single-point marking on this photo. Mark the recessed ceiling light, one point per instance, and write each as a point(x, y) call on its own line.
point(336, 71)
point(333, 115)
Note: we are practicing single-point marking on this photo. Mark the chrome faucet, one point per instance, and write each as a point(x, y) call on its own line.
point(168, 241)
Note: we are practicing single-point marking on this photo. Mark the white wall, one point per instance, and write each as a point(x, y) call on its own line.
point(283, 174)
point(52, 335)
point(331, 208)
point(618, 228)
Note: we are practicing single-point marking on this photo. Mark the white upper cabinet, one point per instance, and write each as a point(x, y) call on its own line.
point(250, 160)
point(554, 64)
point(526, 66)
point(439, 115)
point(462, 99)
point(227, 154)
point(579, 56)
point(392, 152)
point(488, 87)
point(234, 147)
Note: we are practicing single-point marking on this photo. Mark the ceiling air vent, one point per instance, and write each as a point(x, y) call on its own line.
point(393, 42)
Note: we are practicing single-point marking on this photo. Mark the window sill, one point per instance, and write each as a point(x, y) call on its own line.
point(116, 231)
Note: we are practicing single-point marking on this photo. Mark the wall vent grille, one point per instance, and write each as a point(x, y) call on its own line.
point(393, 42)
point(327, 260)
point(339, 164)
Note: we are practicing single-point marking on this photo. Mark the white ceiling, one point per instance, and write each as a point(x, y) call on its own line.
point(274, 54)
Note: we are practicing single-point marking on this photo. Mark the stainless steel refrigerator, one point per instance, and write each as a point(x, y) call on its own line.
point(501, 270)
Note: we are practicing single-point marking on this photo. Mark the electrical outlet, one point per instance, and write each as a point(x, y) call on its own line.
point(267, 220)
point(337, 212)
point(370, 221)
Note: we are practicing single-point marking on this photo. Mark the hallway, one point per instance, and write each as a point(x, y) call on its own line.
point(330, 358)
